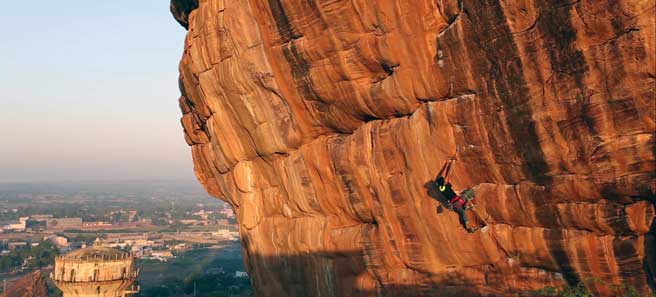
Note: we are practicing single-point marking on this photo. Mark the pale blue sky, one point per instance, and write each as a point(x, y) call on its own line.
point(88, 90)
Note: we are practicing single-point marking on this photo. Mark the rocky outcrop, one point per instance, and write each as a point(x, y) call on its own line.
point(181, 9)
point(323, 124)
point(31, 285)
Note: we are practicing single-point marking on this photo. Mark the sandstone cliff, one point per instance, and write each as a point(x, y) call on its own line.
point(31, 285)
point(323, 124)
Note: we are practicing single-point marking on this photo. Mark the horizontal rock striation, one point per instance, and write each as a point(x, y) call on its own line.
point(323, 124)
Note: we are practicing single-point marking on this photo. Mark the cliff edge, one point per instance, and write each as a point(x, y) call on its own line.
point(325, 123)
point(30, 285)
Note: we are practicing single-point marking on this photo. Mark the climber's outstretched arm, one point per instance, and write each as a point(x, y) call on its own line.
point(444, 172)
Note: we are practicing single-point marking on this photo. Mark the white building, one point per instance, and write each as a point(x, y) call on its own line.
point(241, 274)
point(228, 212)
point(226, 234)
point(20, 226)
point(59, 241)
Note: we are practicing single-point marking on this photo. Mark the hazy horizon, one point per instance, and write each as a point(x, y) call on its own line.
point(90, 92)
point(113, 186)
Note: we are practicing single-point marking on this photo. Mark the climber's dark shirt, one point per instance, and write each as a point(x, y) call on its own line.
point(447, 191)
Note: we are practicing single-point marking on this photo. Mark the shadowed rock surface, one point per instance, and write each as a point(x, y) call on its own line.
point(323, 124)
point(31, 285)
point(181, 9)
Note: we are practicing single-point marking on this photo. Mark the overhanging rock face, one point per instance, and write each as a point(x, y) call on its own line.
point(181, 9)
point(323, 123)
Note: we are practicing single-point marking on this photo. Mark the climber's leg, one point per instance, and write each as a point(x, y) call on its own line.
point(462, 215)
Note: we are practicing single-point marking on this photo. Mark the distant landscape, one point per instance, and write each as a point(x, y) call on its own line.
point(185, 242)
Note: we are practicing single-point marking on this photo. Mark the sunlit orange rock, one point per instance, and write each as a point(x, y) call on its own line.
point(30, 285)
point(323, 124)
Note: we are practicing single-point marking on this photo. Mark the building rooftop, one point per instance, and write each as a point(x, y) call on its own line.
point(96, 252)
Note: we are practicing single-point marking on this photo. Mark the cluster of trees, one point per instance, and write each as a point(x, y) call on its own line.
point(202, 285)
point(197, 270)
point(580, 290)
point(38, 256)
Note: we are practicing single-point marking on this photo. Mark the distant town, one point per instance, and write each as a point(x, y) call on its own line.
point(157, 222)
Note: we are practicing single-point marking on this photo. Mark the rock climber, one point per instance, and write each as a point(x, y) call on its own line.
point(456, 202)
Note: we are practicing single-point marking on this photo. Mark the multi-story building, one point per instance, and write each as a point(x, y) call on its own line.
point(20, 226)
point(41, 217)
point(59, 241)
point(63, 223)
